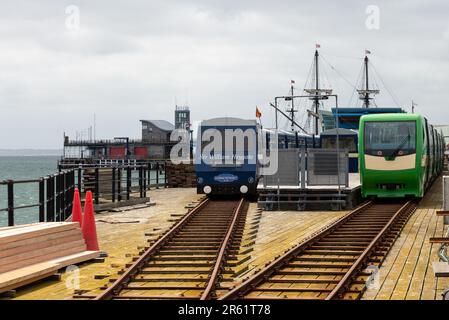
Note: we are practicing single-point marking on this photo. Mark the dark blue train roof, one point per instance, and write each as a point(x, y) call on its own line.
point(348, 118)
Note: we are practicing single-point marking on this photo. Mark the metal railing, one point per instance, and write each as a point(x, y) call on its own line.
point(108, 182)
point(116, 181)
point(55, 197)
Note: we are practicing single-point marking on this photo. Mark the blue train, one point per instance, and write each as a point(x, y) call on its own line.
point(236, 172)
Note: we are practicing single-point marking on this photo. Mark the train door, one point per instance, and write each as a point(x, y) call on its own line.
point(437, 151)
point(428, 167)
point(432, 152)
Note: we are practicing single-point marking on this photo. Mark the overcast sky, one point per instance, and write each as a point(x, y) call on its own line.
point(133, 60)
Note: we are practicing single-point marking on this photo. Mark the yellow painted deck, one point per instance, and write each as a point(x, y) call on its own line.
point(407, 271)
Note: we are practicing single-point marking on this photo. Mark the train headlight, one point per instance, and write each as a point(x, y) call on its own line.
point(207, 189)
point(200, 180)
point(250, 180)
point(243, 189)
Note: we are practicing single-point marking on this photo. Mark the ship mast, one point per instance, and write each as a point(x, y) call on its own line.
point(365, 93)
point(316, 94)
point(317, 87)
point(292, 109)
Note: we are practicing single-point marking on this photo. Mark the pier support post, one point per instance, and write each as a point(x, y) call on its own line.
point(128, 182)
point(119, 184)
point(58, 196)
point(50, 198)
point(158, 167)
point(10, 203)
point(41, 200)
point(113, 184)
point(140, 182)
point(79, 178)
point(97, 186)
point(446, 197)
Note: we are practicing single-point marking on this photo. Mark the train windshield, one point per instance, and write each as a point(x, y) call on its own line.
point(228, 147)
point(390, 138)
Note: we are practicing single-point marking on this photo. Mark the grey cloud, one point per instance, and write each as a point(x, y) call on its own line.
point(135, 59)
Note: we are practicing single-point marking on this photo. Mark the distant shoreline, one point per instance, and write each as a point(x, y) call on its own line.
point(30, 152)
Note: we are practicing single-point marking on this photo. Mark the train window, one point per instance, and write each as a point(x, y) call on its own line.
point(390, 138)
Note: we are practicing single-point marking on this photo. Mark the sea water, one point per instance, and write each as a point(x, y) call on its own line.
point(24, 168)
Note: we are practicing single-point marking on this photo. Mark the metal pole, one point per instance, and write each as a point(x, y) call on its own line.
point(10, 203)
point(97, 185)
point(144, 182)
point(79, 178)
point(50, 198)
point(157, 175)
point(140, 182)
point(58, 196)
point(63, 195)
point(128, 182)
point(338, 152)
point(113, 184)
point(119, 185)
point(41, 200)
point(165, 174)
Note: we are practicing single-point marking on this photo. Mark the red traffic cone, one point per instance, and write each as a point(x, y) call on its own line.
point(89, 229)
point(77, 215)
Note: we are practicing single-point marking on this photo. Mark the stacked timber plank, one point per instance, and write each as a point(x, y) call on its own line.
point(32, 252)
point(180, 175)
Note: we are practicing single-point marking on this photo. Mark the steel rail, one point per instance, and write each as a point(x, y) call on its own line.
point(139, 263)
point(252, 282)
point(222, 254)
point(360, 262)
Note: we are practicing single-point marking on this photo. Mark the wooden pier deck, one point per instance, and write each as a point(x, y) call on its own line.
point(407, 273)
point(124, 233)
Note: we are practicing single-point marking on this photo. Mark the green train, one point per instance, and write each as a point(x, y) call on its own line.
point(400, 155)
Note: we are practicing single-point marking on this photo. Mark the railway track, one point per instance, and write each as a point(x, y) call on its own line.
point(334, 263)
point(187, 262)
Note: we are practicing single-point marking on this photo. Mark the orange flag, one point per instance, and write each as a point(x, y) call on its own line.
point(258, 113)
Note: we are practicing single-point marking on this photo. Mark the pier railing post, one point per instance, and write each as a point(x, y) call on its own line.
point(128, 182)
point(157, 174)
point(10, 203)
point(63, 194)
point(58, 197)
point(50, 198)
point(140, 183)
point(144, 189)
point(113, 184)
point(79, 178)
point(97, 185)
point(165, 174)
point(119, 184)
point(148, 168)
point(68, 192)
point(41, 200)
